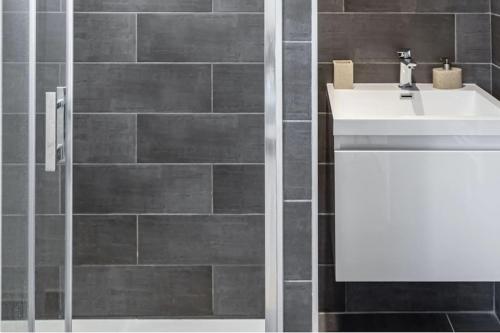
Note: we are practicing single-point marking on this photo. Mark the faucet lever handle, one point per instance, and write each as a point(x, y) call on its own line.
point(405, 54)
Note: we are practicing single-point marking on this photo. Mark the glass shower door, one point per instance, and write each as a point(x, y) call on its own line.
point(36, 202)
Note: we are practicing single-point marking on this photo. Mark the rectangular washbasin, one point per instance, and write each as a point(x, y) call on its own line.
point(385, 109)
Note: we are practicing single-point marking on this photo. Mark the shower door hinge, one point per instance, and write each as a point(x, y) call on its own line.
point(55, 114)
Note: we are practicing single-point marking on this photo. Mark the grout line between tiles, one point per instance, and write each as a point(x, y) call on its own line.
point(137, 239)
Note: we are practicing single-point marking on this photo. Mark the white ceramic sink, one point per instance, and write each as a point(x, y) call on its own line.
point(379, 109)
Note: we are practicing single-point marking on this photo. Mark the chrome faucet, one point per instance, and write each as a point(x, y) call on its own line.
point(406, 69)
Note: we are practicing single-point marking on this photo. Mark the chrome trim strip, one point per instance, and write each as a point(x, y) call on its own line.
point(314, 161)
point(31, 162)
point(274, 164)
point(68, 258)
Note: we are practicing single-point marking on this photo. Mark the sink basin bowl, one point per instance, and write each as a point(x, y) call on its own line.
point(385, 109)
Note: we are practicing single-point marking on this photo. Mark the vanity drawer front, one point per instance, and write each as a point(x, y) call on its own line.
point(417, 215)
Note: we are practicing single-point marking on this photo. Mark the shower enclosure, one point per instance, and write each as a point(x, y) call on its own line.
point(171, 220)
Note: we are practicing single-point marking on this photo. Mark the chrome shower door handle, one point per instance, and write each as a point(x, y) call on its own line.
point(54, 128)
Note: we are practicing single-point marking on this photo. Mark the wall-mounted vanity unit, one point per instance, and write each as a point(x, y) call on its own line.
point(417, 183)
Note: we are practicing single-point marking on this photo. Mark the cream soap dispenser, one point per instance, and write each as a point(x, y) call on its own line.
point(447, 77)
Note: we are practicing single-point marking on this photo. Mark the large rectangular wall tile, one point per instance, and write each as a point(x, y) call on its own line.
point(331, 293)
point(200, 138)
point(49, 292)
point(297, 241)
point(297, 81)
point(495, 6)
point(239, 291)
point(325, 136)
point(444, 296)
point(128, 291)
point(496, 81)
point(297, 307)
point(473, 38)
point(297, 20)
point(141, 88)
point(201, 240)
point(49, 6)
point(238, 189)
point(325, 75)
point(50, 37)
point(201, 37)
point(47, 190)
point(238, 5)
point(105, 37)
point(142, 189)
point(373, 37)
point(497, 298)
point(330, 5)
point(105, 239)
point(105, 138)
point(238, 88)
point(461, 6)
point(326, 239)
point(143, 6)
point(326, 188)
point(15, 37)
point(495, 35)
point(479, 74)
point(297, 161)
point(50, 240)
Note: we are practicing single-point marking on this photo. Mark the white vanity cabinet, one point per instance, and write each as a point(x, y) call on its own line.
point(416, 205)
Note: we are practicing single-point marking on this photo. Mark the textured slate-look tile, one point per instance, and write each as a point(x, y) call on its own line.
point(495, 6)
point(297, 240)
point(49, 292)
point(478, 74)
point(15, 138)
point(14, 242)
point(238, 88)
point(238, 189)
point(50, 240)
point(105, 37)
point(297, 20)
point(331, 293)
point(201, 37)
point(496, 81)
point(297, 307)
point(15, 87)
point(47, 79)
point(200, 138)
point(326, 239)
point(48, 5)
point(326, 188)
point(297, 81)
point(495, 35)
point(104, 138)
point(143, 6)
point(365, 38)
point(330, 5)
point(384, 322)
point(474, 322)
point(441, 296)
point(142, 88)
point(15, 180)
point(461, 6)
point(325, 136)
point(497, 298)
point(239, 291)
point(15, 37)
point(297, 161)
point(201, 239)
point(51, 41)
point(142, 189)
point(105, 239)
point(117, 291)
point(325, 75)
point(15, 5)
point(238, 5)
point(473, 38)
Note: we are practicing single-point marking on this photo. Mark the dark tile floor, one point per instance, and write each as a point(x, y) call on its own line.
point(409, 322)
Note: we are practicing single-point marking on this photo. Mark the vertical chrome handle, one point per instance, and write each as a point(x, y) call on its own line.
point(50, 131)
point(54, 128)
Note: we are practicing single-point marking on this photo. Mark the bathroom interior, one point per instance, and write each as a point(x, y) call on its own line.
point(250, 165)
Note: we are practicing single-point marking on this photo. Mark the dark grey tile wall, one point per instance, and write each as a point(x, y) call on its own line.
point(369, 32)
point(297, 165)
point(169, 152)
